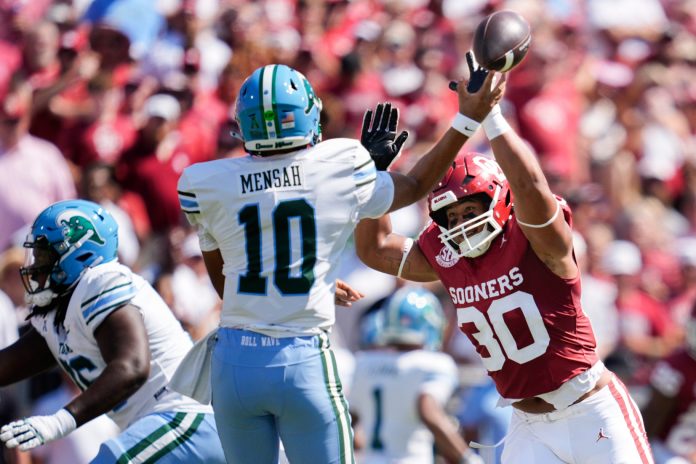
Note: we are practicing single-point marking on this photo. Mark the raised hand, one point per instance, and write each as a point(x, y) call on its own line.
point(477, 75)
point(477, 105)
point(379, 135)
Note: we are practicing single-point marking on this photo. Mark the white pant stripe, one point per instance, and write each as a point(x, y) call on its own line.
point(165, 440)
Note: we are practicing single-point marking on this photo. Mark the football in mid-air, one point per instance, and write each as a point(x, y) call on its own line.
point(501, 40)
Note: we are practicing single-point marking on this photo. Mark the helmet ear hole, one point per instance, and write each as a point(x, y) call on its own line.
point(84, 257)
point(293, 85)
point(508, 198)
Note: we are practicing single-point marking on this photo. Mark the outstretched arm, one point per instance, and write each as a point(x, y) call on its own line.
point(429, 169)
point(13, 359)
point(384, 251)
point(536, 208)
point(123, 344)
point(449, 443)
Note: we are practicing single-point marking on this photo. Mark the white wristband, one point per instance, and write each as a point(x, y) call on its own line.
point(495, 124)
point(465, 125)
point(407, 248)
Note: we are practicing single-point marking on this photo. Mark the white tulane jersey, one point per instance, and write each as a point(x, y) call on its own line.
point(384, 394)
point(280, 223)
point(102, 290)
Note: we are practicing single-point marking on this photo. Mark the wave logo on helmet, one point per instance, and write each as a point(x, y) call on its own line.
point(77, 227)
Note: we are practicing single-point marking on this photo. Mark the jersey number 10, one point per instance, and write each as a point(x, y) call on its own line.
point(250, 218)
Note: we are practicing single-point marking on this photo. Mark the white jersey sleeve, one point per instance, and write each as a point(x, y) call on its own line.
point(105, 292)
point(189, 205)
point(440, 378)
point(374, 189)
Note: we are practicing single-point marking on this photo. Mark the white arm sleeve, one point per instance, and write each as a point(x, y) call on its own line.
point(188, 200)
point(374, 189)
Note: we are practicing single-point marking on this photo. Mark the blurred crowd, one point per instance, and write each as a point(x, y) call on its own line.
point(109, 100)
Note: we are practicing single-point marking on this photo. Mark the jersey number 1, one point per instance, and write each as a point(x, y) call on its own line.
point(250, 217)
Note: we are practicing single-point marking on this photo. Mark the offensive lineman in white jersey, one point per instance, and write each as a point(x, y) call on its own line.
point(109, 330)
point(399, 391)
point(272, 227)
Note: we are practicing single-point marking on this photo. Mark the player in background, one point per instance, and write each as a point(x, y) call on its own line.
point(670, 414)
point(399, 391)
point(272, 226)
point(515, 284)
point(109, 330)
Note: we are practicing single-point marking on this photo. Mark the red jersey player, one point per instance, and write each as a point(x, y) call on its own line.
point(513, 278)
point(670, 415)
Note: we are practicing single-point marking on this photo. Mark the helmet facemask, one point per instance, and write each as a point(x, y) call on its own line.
point(463, 240)
point(40, 264)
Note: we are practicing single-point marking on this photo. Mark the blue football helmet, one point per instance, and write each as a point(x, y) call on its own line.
point(66, 238)
point(277, 109)
point(371, 326)
point(414, 316)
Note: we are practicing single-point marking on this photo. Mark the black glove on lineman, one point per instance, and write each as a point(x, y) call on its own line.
point(477, 75)
point(381, 140)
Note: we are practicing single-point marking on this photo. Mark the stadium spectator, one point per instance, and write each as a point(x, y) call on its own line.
point(33, 173)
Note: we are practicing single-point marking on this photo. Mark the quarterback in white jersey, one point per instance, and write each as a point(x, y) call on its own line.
point(114, 336)
point(272, 226)
point(399, 391)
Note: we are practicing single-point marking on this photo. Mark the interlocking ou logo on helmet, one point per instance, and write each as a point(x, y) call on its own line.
point(76, 226)
point(490, 167)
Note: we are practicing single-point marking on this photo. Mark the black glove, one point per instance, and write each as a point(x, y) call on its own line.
point(477, 75)
point(381, 140)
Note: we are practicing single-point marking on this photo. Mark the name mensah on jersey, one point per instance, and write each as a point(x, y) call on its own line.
point(276, 179)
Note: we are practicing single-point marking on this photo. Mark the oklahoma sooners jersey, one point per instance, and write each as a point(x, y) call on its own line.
point(675, 376)
point(525, 322)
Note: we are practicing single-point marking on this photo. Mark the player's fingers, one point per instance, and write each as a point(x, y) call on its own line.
point(378, 116)
point(393, 119)
point(31, 444)
point(470, 62)
point(488, 82)
point(400, 139)
point(384, 123)
point(367, 119)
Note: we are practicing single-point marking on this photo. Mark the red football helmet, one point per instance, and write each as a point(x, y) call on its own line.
point(471, 174)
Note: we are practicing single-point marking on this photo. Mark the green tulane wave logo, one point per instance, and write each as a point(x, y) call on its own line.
point(77, 227)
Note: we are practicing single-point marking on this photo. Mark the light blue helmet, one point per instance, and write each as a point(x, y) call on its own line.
point(371, 326)
point(277, 109)
point(66, 238)
point(414, 316)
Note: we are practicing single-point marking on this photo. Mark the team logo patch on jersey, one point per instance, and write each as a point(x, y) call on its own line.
point(446, 258)
point(78, 227)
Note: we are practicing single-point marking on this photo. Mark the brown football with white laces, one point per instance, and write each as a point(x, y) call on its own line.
point(501, 40)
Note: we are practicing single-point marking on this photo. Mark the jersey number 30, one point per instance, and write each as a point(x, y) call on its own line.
point(250, 218)
point(498, 327)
